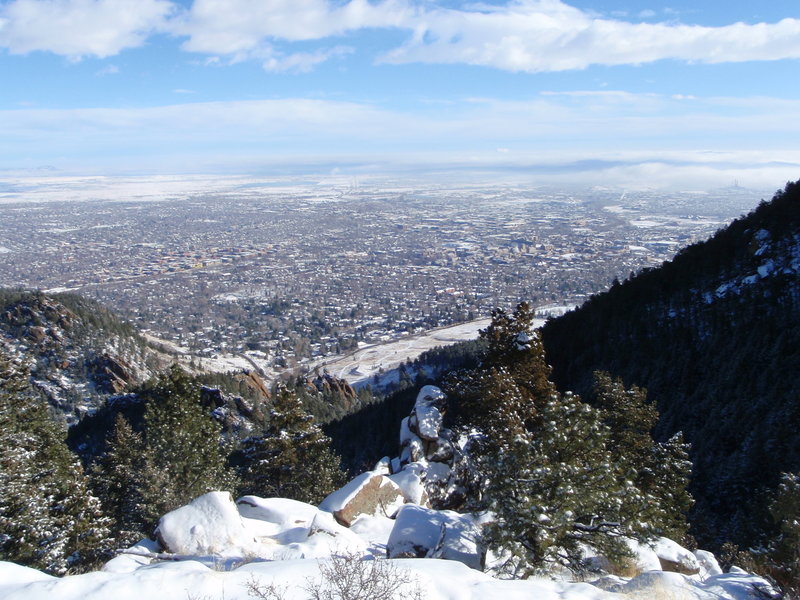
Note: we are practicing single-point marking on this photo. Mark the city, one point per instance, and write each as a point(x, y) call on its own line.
point(289, 272)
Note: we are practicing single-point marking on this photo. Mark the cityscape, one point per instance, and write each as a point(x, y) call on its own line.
point(289, 272)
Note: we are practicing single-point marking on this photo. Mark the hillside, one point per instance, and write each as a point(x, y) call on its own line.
point(77, 351)
point(713, 335)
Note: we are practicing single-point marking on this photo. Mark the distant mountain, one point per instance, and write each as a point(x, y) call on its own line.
point(714, 335)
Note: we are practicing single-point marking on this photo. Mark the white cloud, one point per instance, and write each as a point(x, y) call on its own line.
point(302, 62)
point(243, 27)
point(548, 35)
point(79, 28)
point(520, 35)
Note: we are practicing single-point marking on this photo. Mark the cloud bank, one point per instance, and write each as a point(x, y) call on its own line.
point(521, 35)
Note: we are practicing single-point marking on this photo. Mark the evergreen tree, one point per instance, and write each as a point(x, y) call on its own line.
point(660, 471)
point(48, 518)
point(553, 490)
point(783, 553)
point(121, 475)
point(543, 460)
point(291, 458)
point(185, 456)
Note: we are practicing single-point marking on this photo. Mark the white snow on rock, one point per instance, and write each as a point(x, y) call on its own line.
point(209, 524)
point(368, 494)
point(430, 395)
point(133, 558)
point(425, 533)
point(429, 422)
point(282, 512)
point(674, 557)
point(410, 484)
point(708, 563)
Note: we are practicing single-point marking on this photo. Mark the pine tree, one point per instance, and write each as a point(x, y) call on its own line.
point(543, 459)
point(660, 471)
point(292, 457)
point(183, 444)
point(555, 489)
point(48, 517)
point(121, 475)
point(783, 552)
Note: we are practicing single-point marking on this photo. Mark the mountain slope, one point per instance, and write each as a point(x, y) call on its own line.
point(714, 336)
point(78, 352)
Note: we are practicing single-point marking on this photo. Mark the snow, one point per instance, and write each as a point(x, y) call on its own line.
point(209, 524)
point(287, 543)
point(429, 421)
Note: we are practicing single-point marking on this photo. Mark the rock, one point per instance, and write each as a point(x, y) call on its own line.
point(283, 512)
point(430, 395)
point(675, 558)
point(208, 525)
point(368, 494)
point(425, 533)
point(428, 421)
point(411, 486)
point(440, 450)
point(708, 563)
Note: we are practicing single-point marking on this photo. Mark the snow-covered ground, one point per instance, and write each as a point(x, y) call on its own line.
point(361, 366)
point(292, 547)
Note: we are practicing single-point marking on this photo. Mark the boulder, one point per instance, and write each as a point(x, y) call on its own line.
point(411, 486)
point(368, 494)
point(425, 533)
point(428, 422)
point(208, 525)
point(675, 558)
point(708, 563)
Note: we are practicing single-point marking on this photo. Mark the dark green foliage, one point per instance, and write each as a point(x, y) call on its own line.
point(659, 470)
point(714, 337)
point(48, 518)
point(184, 444)
point(121, 478)
point(292, 457)
point(544, 460)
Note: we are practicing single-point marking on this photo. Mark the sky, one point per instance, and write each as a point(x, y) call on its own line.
point(615, 89)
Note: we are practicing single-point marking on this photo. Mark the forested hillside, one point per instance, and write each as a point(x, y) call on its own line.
point(714, 336)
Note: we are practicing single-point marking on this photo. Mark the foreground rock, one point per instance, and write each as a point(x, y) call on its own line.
point(370, 493)
point(424, 533)
point(208, 525)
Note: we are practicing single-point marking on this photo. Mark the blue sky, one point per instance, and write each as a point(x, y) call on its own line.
point(102, 86)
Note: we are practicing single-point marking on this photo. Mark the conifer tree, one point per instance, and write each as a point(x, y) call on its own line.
point(48, 518)
point(543, 459)
point(660, 471)
point(183, 444)
point(291, 458)
point(122, 473)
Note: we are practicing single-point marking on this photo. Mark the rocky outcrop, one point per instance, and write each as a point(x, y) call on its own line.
point(430, 451)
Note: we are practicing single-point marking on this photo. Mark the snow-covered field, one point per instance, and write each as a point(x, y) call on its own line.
point(368, 361)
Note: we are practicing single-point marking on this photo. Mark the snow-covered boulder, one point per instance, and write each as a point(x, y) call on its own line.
point(283, 512)
point(133, 558)
point(708, 564)
point(208, 525)
point(368, 494)
point(425, 533)
point(410, 485)
point(430, 395)
point(428, 421)
point(675, 558)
